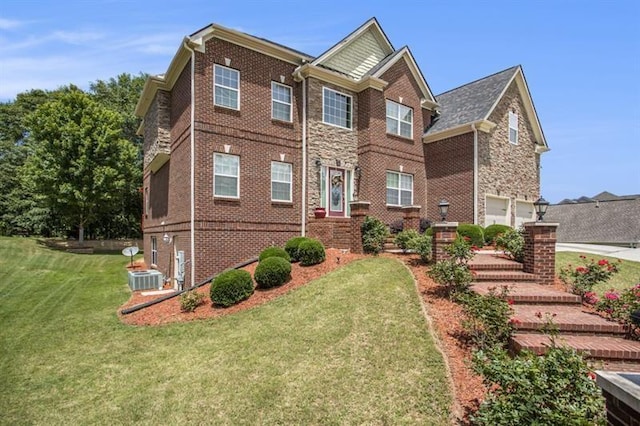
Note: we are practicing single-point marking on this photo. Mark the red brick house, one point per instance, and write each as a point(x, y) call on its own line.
point(244, 138)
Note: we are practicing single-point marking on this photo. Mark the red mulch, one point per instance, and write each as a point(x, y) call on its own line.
point(445, 316)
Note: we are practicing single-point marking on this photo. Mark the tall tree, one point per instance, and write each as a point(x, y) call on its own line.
point(80, 164)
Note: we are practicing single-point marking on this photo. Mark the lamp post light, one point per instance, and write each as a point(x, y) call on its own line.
point(443, 206)
point(541, 207)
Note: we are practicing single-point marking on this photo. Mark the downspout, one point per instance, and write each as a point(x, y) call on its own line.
point(304, 156)
point(475, 173)
point(193, 163)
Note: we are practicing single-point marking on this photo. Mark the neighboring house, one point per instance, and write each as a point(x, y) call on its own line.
point(603, 219)
point(244, 138)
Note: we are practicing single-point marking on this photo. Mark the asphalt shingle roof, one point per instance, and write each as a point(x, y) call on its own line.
point(616, 221)
point(471, 102)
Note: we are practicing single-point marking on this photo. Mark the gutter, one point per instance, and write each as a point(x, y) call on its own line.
point(193, 162)
point(304, 154)
point(475, 173)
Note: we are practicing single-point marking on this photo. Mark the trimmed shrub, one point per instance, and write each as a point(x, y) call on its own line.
point(492, 231)
point(311, 252)
point(291, 247)
point(404, 239)
point(396, 226)
point(473, 232)
point(272, 272)
point(190, 300)
point(422, 246)
point(274, 252)
point(512, 243)
point(231, 287)
point(424, 224)
point(488, 321)
point(374, 233)
point(429, 232)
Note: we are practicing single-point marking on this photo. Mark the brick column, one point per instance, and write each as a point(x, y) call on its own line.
point(444, 233)
point(540, 251)
point(411, 218)
point(359, 210)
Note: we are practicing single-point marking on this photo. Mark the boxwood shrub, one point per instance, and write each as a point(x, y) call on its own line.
point(231, 287)
point(272, 272)
point(291, 247)
point(274, 252)
point(473, 232)
point(374, 234)
point(492, 231)
point(311, 252)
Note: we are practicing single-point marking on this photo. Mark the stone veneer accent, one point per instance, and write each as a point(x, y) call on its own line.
point(157, 127)
point(540, 251)
point(328, 143)
point(444, 233)
point(505, 169)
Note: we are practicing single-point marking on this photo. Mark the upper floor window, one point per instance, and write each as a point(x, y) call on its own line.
point(399, 189)
point(336, 108)
point(281, 174)
point(226, 82)
point(513, 127)
point(226, 175)
point(280, 101)
point(399, 120)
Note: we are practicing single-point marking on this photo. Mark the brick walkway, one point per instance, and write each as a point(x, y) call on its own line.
point(580, 329)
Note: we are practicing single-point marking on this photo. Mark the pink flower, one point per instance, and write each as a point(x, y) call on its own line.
point(581, 270)
point(510, 301)
point(611, 295)
point(591, 375)
point(603, 262)
point(515, 321)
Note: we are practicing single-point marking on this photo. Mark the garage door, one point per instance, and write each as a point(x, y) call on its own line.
point(524, 212)
point(496, 211)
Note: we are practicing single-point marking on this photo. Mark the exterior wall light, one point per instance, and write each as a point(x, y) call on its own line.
point(541, 207)
point(443, 207)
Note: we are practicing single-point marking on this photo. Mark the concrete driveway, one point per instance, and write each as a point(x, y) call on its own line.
point(625, 253)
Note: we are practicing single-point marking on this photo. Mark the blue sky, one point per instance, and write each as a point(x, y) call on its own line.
point(581, 58)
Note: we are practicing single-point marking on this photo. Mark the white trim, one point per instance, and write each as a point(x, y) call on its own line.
point(475, 174)
point(290, 104)
point(290, 182)
point(350, 112)
point(482, 125)
point(303, 198)
point(237, 177)
point(192, 143)
point(400, 189)
point(237, 90)
point(399, 119)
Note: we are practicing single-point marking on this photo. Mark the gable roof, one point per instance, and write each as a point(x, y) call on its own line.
point(474, 102)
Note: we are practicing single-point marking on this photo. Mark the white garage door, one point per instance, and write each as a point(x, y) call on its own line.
point(524, 212)
point(496, 211)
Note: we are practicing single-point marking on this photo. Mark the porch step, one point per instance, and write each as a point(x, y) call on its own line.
point(597, 347)
point(567, 318)
point(502, 276)
point(493, 262)
point(528, 293)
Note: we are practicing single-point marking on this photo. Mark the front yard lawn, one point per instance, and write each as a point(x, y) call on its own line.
point(351, 347)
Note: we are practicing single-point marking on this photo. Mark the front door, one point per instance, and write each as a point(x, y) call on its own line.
point(337, 180)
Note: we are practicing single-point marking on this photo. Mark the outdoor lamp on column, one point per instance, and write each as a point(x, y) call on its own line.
point(443, 206)
point(541, 207)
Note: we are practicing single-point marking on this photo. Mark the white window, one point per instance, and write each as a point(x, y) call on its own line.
point(399, 189)
point(281, 181)
point(280, 101)
point(226, 82)
point(226, 175)
point(336, 108)
point(154, 251)
point(399, 120)
point(513, 127)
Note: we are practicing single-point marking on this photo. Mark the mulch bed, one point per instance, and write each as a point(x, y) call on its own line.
point(445, 316)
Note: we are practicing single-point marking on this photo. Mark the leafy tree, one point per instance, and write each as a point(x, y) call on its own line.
point(80, 166)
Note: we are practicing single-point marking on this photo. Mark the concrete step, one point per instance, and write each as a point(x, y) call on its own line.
point(528, 293)
point(608, 348)
point(571, 319)
point(492, 262)
point(502, 276)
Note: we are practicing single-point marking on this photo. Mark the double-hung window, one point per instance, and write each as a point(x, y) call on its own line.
point(226, 175)
point(281, 177)
point(399, 189)
point(226, 83)
point(280, 101)
point(399, 120)
point(336, 108)
point(513, 128)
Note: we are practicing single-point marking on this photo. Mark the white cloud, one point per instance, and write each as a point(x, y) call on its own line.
point(9, 24)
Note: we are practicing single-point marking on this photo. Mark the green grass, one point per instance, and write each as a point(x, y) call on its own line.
point(628, 275)
point(351, 347)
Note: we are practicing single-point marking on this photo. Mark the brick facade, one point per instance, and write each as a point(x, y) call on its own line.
point(540, 251)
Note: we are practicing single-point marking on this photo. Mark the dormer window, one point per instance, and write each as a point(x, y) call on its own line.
point(513, 128)
point(399, 120)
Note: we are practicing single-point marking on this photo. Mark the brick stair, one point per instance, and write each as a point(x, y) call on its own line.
point(598, 338)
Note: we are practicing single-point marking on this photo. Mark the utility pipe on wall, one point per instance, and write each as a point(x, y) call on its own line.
point(475, 173)
point(304, 157)
point(193, 164)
